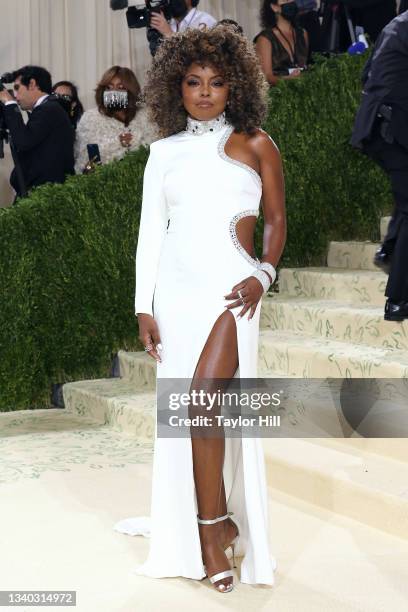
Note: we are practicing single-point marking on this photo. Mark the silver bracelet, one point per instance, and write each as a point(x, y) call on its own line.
point(263, 278)
point(268, 267)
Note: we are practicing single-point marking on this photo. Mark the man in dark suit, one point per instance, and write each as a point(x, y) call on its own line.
point(381, 131)
point(44, 147)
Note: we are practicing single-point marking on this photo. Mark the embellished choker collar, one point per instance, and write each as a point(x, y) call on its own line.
point(196, 127)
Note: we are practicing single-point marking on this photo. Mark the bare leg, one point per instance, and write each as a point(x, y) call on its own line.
point(219, 359)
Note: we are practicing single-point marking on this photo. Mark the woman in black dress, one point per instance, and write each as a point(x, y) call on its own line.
point(282, 45)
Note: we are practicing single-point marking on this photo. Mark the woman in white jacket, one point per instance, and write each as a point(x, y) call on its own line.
point(117, 124)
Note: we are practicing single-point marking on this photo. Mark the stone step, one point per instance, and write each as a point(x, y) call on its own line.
point(290, 354)
point(362, 324)
point(296, 355)
point(138, 368)
point(352, 255)
point(343, 476)
point(368, 488)
point(384, 226)
point(114, 402)
point(348, 286)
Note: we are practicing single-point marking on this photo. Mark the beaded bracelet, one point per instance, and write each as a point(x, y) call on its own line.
point(263, 278)
point(268, 267)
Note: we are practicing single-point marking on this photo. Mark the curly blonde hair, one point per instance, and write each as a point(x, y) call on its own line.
point(221, 48)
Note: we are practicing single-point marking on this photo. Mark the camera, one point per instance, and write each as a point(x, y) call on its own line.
point(138, 16)
point(8, 77)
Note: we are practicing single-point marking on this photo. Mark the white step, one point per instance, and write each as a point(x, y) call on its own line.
point(361, 324)
point(138, 368)
point(307, 357)
point(352, 255)
point(134, 413)
point(344, 476)
point(359, 485)
point(351, 286)
point(384, 226)
point(393, 448)
point(114, 402)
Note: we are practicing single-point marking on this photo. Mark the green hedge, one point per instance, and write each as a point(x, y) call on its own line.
point(67, 251)
point(67, 268)
point(332, 191)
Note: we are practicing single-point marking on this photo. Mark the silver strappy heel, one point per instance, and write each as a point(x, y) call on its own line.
point(227, 573)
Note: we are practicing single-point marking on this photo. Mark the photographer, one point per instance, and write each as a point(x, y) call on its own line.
point(185, 15)
point(163, 18)
point(43, 146)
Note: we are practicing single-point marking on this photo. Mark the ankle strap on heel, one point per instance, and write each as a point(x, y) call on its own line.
point(215, 520)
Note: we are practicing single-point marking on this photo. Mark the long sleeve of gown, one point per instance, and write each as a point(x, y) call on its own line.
point(152, 229)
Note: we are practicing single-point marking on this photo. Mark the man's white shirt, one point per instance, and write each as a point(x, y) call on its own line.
point(40, 101)
point(193, 19)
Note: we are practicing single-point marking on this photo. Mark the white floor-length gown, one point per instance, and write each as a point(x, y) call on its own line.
point(189, 258)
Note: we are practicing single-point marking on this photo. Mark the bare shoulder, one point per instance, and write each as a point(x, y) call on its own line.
point(263, 145)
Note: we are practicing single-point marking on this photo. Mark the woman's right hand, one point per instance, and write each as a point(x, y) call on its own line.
point(125, 139)
point(149, 334)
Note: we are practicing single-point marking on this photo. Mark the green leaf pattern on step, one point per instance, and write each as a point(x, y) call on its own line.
point(115, 402)
point(138, 368)
point(346, 286)
point(331, 320)
point(80, 441)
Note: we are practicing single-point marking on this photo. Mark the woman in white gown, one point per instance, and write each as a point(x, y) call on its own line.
point(202, 189)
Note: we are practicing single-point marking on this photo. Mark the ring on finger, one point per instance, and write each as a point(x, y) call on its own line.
point(241, 296)
point(148, 347)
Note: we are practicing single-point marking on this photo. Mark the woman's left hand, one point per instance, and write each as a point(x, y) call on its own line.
point(251, 291)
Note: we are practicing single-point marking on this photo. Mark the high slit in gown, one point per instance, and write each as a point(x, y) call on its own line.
point(188, 258)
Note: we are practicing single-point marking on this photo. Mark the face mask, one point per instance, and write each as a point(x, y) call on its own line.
point(115, 99)
point(65, 100)
point(289, 11)
point(178, 8)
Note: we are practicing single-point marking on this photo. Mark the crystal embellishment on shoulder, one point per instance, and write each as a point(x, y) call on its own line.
point(233, 233)
point(231, 160)
point(196, 127)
